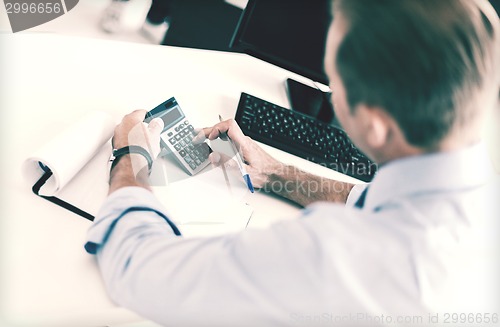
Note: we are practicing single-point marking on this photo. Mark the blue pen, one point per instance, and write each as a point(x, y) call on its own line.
point(241, 165)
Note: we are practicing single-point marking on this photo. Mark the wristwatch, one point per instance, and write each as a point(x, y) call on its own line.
point(118, 153)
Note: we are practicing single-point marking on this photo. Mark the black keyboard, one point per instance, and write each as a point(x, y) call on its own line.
point(302, 136)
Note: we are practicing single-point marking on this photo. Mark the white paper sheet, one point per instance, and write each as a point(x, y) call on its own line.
point(210, 203)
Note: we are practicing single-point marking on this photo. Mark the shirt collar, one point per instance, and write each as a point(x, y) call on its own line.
point(434, 172)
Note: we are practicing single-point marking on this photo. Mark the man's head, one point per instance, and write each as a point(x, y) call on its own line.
point(411, 76)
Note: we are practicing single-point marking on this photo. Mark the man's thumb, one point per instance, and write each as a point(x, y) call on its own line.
point(156, 126)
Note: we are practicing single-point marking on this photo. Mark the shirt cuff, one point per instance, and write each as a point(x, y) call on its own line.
point(355, 194)
point(116, 206)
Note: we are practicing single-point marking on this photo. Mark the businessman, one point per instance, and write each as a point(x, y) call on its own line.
point(412, 82)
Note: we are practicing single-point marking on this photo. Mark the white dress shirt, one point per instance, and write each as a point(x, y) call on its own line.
point(422, 247)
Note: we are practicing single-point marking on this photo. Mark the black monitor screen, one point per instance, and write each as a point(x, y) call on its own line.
point(290, 34)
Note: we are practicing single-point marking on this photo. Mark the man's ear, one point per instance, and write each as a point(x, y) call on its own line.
point(377, 124)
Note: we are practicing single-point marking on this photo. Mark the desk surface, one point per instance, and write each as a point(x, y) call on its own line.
point(48, 81)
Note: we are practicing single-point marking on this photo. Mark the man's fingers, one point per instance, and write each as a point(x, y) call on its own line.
point(214, 158)
point(228, 127)
point(207, 131)
point(218, 130)
point(156, 126)
point(137, 115)
point(200, 137)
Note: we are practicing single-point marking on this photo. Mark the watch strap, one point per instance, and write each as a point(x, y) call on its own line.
point(118, 153)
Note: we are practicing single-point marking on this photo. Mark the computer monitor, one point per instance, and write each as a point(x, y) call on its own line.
point(290, 34)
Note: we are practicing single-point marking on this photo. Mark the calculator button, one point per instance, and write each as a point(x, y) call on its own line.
point(187, 140)
point(192, 155)
point(192, 165)
point(170, 134)
point(177, 147)
point(177, 128)
point(191, 128)
point(182, 134)
point(188, 159)
point(182, 143)
point(182, 153)
point(177, 137)
point(186, 123)
point(198, 162)
point(172, 140)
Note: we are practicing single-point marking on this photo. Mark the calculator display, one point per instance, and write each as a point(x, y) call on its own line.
point(169, 112)
point(170, 116)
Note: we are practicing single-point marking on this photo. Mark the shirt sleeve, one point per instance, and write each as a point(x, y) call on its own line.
point(225, 280)
point(257, 277)
point(127, 201)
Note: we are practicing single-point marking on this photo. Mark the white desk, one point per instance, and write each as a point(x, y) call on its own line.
point(48, 81)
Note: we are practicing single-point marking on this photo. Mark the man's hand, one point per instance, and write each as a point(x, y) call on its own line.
point(133, 131)
point(259, 164)
point(272, 175)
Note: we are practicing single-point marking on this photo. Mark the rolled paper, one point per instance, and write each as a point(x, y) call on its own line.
point(69, 152)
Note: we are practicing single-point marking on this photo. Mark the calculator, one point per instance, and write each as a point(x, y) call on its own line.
point(177, 135)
